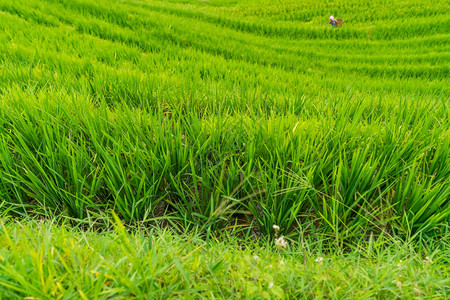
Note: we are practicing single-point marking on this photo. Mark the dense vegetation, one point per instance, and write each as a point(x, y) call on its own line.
point(49, 262)
point(228, 116)
point(224, 149)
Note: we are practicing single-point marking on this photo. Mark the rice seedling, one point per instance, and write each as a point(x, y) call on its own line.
point(220, 115)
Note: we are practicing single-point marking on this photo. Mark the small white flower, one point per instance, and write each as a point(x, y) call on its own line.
point(319, 259)
point(427, 260)
point(270, 266)
point(256, 257)
point(282, 262)
point(276, 227)
point(271, 285)
point(397, 283)
point(281, 242)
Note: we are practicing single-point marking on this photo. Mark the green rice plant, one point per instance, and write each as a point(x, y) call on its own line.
point(228, 117)
point(419, 197)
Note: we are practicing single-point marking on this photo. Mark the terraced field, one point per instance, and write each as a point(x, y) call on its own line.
point(224, 149)
point(228, 115)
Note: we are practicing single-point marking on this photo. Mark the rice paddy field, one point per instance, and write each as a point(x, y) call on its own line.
point(157, 142)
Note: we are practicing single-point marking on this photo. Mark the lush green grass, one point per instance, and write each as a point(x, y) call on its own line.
point(200, 125)
point(43, 261)
point(224, 115)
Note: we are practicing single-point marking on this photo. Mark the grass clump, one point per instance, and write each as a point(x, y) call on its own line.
point(41, 260)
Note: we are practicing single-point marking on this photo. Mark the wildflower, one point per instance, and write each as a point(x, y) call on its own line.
point(282, 262)
point(270, 266)
point(256, 257)
point(397, 283)
point(319, 259)
point(281, 242)
point(427, 260)
point(276, 228)
point(271, 285)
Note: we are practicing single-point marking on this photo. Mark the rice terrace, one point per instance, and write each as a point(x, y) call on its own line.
point(231, 149)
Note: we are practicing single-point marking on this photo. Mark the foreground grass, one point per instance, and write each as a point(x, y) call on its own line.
point(44, 261)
